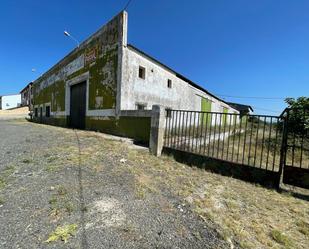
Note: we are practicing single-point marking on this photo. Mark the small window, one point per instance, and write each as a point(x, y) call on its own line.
point(168, 112)
point(47, 111)
point(169, 83)
point(41, 112)
point(142, 72)
point(140, 106)
point(36, 112)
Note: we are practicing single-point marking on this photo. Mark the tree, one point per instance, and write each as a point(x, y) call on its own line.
point(298, 114)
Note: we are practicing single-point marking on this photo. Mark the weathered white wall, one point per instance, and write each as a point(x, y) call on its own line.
point(11, 101)
point(153, 89)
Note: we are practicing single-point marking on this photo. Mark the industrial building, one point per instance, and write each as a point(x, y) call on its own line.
point(108, 85)
point(26, 95)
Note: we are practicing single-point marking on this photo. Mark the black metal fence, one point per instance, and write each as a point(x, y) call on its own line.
point(277, 144)
point(253, 140)
point(297, 138)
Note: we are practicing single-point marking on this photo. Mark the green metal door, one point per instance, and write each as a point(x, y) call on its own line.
point(206, 107)
point(224, 118)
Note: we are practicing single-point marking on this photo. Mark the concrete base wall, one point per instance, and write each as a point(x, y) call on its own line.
point(296, 176)
point(137, 128)
point(242, 172)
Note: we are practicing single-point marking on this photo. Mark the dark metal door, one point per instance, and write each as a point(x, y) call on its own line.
point(78, 106)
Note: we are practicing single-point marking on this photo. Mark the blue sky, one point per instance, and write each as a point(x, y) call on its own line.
point(257, 48)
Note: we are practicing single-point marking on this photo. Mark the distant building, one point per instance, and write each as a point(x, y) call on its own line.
point(10, 101)
point(26, 95)
point(243, 109)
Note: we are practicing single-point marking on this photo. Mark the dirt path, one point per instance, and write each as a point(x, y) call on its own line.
point(17, 113)
point(87, 189)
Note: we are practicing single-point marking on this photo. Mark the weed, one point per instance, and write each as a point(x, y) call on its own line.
point(26, 161)
point(2, 183)
point(84, 209)
point(52, 168)
point(5, 174)
point(140, 192)
point(51, 159)
point(303, 227)
point(53, 201)
point(9, 170)
point(69, 207)
point(62, 190)
point(62, 233)
point(280, 237)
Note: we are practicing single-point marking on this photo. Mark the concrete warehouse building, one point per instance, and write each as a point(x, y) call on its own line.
point(26, 95)
point(107, 85)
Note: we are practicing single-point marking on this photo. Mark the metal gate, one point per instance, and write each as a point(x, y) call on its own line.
point(296, 147)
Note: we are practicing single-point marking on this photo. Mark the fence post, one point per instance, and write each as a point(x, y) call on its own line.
point(157, 130)
point(283, 149)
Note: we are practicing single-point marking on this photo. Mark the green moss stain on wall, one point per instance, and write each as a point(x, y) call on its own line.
point(103, 81)
point(99, 57)
point(58, 96)
point(51, 87)
point(54, 94)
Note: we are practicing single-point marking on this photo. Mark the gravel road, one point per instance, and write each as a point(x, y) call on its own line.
point(53, 178)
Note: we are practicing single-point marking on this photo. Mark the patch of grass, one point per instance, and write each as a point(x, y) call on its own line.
point(2, 183)
point(241, 212)
point(69, 207)
point(26, 161)
point(51, 159)
point(60, 203)
point(62, 233)
point(280, 238)
point(52, 168)
point(53, 201)
point(5, 174)
point(1, 201)
point(143, 186)
point(140, 191)
point(62, 190)
point(128, 228)
point(84, 209)
point(303, 227)
point(9, 170)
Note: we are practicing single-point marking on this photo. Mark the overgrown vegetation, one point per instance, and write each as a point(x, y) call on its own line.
point(5, 175)
point(281, 238)
point(243, 213)
point(299, 114)
point(60, 203)
point(62, 233)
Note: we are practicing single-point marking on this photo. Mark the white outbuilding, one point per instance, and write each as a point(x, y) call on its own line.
point(10, 101)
